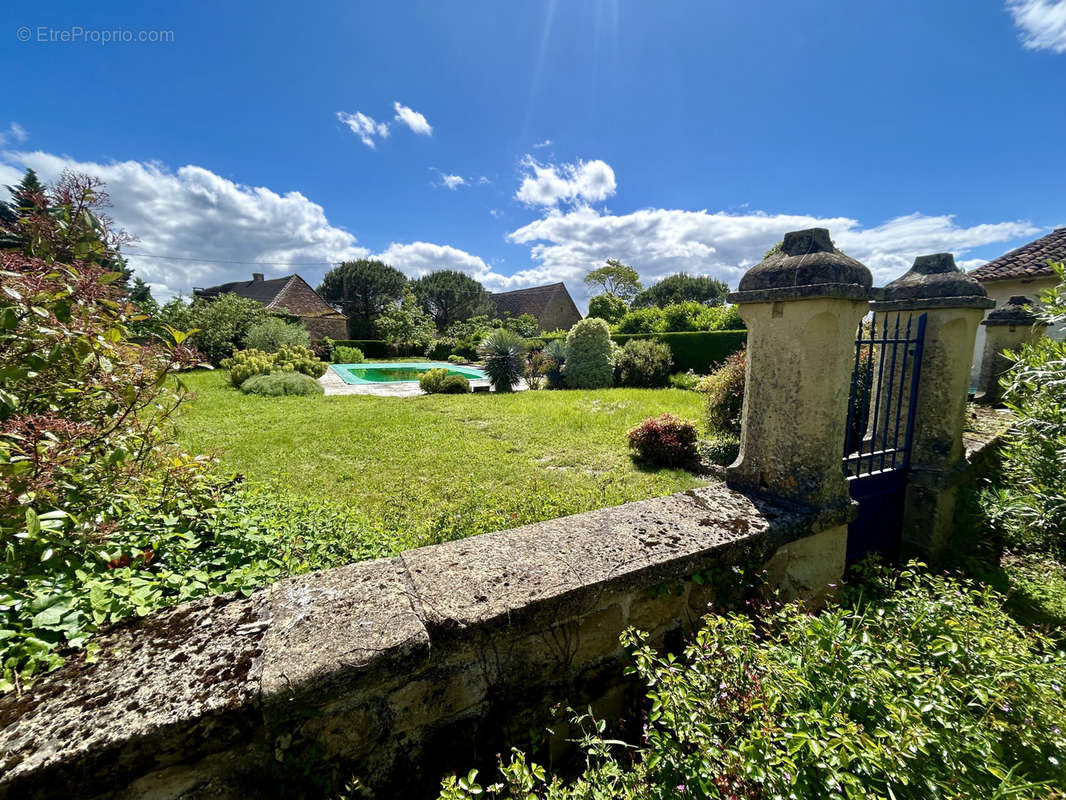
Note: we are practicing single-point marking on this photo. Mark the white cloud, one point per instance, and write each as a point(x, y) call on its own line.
point(495, 213)
point(14, 133)
point(420, 258)
point(412, 119)
point(192, 212)
point(453, 182)
point(1041, 23)
point(366, 128)
point(659, 242)
point(545, 143)
point(550, 184)
point(482, 181)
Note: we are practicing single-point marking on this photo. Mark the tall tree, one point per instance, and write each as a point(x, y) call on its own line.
point(362, 290)
point(449, 296)
point(26, 196)
point(615, 278)
point(683, 288)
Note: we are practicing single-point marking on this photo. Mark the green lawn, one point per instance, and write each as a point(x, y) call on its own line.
point(438, 466)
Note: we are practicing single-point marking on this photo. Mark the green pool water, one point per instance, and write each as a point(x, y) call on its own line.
point(399, 371)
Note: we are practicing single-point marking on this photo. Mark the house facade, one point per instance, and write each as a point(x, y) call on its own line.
point(291, 295)
point(1023, 271)
point(552, 305)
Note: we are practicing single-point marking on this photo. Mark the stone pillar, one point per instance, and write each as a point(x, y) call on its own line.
point(1006, 328)
point(953, 304)
point(802, 306)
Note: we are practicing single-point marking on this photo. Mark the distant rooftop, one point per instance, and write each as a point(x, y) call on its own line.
point(1028, 261)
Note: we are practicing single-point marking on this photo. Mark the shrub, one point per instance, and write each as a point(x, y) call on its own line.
point(246, 363)
point(644, 363)
point(454, 359)
point(1029, 510)
point(917, 687)
point(441, 349)
point(721, 449)
point(588, 355)
point(666, 441)
point(642, 320)
point(608, 307)
point(684, 380)
point(347, 355)
point(503, 354)
point(536, 368)
point(725, 395)
point(221, 325)
point(430, 381)
point(273, 333)
point(455, 384)
point(281, 383)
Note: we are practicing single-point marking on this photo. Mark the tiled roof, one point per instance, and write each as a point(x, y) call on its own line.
point(1028, 261)
point(263, 291)
point(526, 301)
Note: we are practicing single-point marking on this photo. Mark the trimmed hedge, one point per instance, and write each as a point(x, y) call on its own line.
point(372, 348)
point(691, 350)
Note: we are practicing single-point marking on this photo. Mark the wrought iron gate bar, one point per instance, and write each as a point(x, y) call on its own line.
point(880, 410)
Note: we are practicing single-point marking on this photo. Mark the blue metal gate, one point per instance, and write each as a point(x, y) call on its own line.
point(877, 448)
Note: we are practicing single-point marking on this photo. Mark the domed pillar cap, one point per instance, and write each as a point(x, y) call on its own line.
point(1017, 311)
point(933, 282)
point(806, 266)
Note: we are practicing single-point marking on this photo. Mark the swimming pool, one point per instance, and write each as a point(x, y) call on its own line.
point(399, 371)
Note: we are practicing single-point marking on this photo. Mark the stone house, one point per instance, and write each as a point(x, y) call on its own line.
point(552, 305)
point(1023, 271)
point(290, 294)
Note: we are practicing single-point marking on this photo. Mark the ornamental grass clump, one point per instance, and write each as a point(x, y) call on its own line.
point(503, 354)
point(666, 441)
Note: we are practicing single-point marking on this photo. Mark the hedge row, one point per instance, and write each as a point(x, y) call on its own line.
point(372, 348)
point(691, 350)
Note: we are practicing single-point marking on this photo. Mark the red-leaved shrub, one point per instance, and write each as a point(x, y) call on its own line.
point(666, 441)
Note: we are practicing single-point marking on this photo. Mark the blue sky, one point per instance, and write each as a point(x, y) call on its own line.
point(672, 135)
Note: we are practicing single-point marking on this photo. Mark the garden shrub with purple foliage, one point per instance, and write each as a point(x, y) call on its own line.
point(666, 441)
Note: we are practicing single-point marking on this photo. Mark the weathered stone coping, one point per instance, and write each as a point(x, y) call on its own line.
point(373, 662)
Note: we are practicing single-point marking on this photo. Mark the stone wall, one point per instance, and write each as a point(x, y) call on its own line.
point(333, 326)
point(398, 669)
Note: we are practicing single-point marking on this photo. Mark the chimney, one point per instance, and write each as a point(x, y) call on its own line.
point(257, 276)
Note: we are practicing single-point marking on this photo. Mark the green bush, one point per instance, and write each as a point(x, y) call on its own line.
point(371, 348)
point(455, 384)
point(1029, 507)
point(589, 355)
point(222, 324)
point(273, 333)
point(725, 395)
point(666, 441)
point(913, 687)
point(608, 307)
point(685, 380)
point(441, 349)
point(644, 363)
point(246, 363)
point(454, 359)
point(430, 381)
point(642, 320)
point(503, 353)
point(720, 449)
point(281, 383)
point(347, 355)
